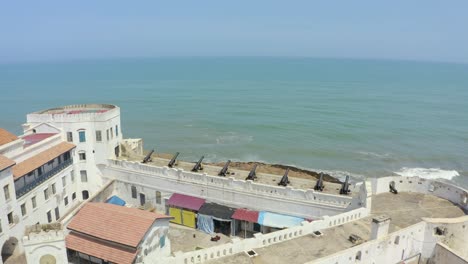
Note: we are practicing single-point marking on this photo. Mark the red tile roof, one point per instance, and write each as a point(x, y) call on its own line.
point(5, 162)
point(186, 201)
point(40, 159)
point(115, 223)
point(100, 249)
point(246, 215)
point(6, 137)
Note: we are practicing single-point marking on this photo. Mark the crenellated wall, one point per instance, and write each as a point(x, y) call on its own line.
point(233, 192)
point(45, 246)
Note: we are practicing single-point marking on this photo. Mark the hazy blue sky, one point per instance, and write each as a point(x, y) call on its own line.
point(397, 29)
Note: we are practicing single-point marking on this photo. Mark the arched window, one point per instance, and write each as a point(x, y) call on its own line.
point(85, 195)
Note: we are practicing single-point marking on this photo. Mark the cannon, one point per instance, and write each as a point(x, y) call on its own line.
point(392, 188)
point(198, 166)
point(319, 185)
point(148, 157)
point(224, 170)
point(252, 175)
point(345, 186)
point(173, 160)
point(284, 180)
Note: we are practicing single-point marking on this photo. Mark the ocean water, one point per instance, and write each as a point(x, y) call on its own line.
point(359, 117)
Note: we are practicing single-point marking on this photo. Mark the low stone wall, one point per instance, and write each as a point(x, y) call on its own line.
point(263, 240)
point(230, 191)
point(455, 194)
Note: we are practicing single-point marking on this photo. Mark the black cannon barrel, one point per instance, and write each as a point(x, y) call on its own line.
point(173, 160)
point(198, 165)
point(252, 175)
point(345, 186)
point(224, 169)
point(284, 180)
point(319, 185)
point(148, 157)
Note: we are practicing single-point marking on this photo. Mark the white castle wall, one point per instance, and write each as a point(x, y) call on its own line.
point(38, 245)
point(230, 191)
point(445, 255)
point(443, 190)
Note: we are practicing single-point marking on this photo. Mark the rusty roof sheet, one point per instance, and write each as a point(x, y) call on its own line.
point(40, 159)
point(5, 162)
point(6, 137)
point(115, 223)
point(100, 249)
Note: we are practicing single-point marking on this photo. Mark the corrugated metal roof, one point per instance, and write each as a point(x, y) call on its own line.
point(246, 215)
point(115, 223)
point(186, 201)
point(100, 249)
point(217, 211)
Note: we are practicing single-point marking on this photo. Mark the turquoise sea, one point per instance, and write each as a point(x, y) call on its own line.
point(362, 117)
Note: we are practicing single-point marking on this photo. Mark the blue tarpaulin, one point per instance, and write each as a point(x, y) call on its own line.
point(116, 200)
point(205, 223)
point(278, 220)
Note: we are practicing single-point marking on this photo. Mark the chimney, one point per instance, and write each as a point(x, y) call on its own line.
point(380, 225)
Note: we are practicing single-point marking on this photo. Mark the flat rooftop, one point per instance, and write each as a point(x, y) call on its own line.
point(404, 209)
point(264, 178)
point(188, 239)
point(77, 109)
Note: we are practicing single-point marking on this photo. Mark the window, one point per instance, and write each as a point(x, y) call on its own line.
point(23, 209)
point(85, 195)
point(82, 136)
point(49, 217)
point(1, 226)
point(82, 155)
point(64, 181)
point(65, 200)
point(10, 218)
point(54, 191)
point(69, 136)
point(57, 213)
point(46, 194)
point(158, 197)
point(6, 190)
point(107, 134)
point(98, 136)
point(72, 176)
point(116, 130)
point(74, 196)
point(111, 133)
point(33, 201)
point(84, 176)
point(134, 192)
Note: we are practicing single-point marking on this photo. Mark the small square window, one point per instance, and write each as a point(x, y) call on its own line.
point(98, 136)
point(33, 201)
point(10, 218)
point(69, 136)
point(84, 176)
point(46, 194)
point(23, 209)
point(82, 136)
point(82, 155)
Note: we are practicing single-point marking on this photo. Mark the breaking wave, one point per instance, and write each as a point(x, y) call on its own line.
point(431, 173)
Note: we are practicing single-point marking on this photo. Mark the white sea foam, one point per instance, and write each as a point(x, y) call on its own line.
point(431, 173)
point(232, 138)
